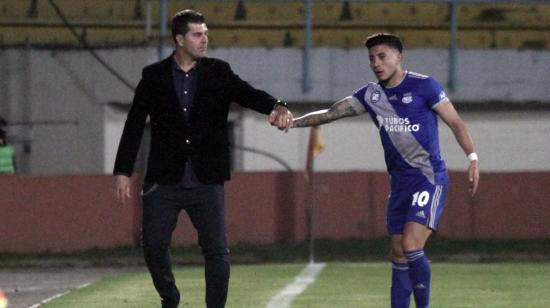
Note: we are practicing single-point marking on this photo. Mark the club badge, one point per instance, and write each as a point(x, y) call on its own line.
point(407, 98)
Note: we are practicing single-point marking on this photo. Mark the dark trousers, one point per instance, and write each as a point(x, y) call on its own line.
point(205, 206)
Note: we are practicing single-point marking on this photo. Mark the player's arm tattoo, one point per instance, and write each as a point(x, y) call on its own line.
point(341, 109)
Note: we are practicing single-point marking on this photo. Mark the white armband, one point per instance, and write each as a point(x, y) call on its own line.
point(472, 156)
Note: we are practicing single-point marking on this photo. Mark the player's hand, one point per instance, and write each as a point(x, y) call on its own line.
point(281, 117)
point(473, 177)
point(122, 187)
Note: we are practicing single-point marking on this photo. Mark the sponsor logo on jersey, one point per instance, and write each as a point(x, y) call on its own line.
point(396, 124)
point(393, 98)
point(420, 214)
point(407, 98)
point(375, 96)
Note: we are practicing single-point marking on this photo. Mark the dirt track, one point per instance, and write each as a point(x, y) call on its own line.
point(28, 287)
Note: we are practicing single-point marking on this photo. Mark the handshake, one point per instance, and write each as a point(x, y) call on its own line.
point(281, 117)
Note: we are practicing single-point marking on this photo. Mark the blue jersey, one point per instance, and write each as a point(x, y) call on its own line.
point(407, 123)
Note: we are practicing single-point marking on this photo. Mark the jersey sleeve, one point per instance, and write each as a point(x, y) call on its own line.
point(359, 99)
point(434, 93)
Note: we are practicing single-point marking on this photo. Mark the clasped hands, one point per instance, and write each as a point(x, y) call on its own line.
point(281, 117)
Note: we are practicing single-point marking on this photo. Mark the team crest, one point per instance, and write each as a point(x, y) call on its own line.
point(442, 95)
point(407, 98)
point(375, 96)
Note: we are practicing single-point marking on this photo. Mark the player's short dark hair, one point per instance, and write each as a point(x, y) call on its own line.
point(391, 40)
point(181, 20)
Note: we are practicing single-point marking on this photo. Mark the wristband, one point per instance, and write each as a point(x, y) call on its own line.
point(473, 156)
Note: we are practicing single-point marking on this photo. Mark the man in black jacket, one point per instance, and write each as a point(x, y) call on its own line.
point(187, 98)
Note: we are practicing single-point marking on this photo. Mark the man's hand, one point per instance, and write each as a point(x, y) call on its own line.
point(473, 177)
point(122, 187)
point(281, 117)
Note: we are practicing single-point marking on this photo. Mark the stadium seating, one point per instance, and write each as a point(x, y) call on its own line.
point(507, 15)
point(516, 26)
point(41, 10)
point(13, 10)
point(101, 22)
point(277, 23)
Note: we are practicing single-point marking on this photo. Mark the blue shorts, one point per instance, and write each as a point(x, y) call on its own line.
point(421, 202)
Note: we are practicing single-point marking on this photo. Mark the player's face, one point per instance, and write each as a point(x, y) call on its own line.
point(385, 63)
point(195, 42)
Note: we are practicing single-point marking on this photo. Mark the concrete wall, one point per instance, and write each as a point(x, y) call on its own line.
point(505, 141)
point(58, 101)
point(55, 102)
point(483, 75)
point(74, 213)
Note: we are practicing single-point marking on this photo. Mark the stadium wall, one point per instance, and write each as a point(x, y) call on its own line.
point(506, 141)
point(59, 103)
point(73, 213)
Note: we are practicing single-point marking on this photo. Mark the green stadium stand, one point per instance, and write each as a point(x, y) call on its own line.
point(60, 36)
point(274, 13)
point(510, 26)
point(104, 22)
point(475, 39)
point(522, 39)
point(398, 14)
point(246, 38)
point(74, 10)
point(10, 9)
point(505, 15)
point(275, 23)
point(44, 35)
point(214, 11)
point(421, 25)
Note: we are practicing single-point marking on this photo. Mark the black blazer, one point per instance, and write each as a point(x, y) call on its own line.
point(205, 141)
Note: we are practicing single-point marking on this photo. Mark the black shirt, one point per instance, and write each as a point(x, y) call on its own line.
point(186, 85)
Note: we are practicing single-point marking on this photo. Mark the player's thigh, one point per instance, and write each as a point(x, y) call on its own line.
point(397, 211)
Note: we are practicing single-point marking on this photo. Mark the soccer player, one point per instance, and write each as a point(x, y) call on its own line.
point(404, 106)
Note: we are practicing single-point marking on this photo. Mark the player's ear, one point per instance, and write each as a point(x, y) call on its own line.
point(179, 40)
point(400, 57)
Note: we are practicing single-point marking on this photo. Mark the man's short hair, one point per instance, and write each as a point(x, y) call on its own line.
point(181, 20)
point(384, 38)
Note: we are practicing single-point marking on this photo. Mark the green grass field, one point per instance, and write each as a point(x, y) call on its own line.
point(345, 285)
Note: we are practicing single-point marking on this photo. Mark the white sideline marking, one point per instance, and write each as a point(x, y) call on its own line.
point(300, 283)
point(51, 298)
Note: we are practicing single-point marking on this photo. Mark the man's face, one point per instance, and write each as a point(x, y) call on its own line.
point(195, 42)
point(385, 61)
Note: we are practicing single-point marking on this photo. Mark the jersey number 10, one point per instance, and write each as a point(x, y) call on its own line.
point(421, 198)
